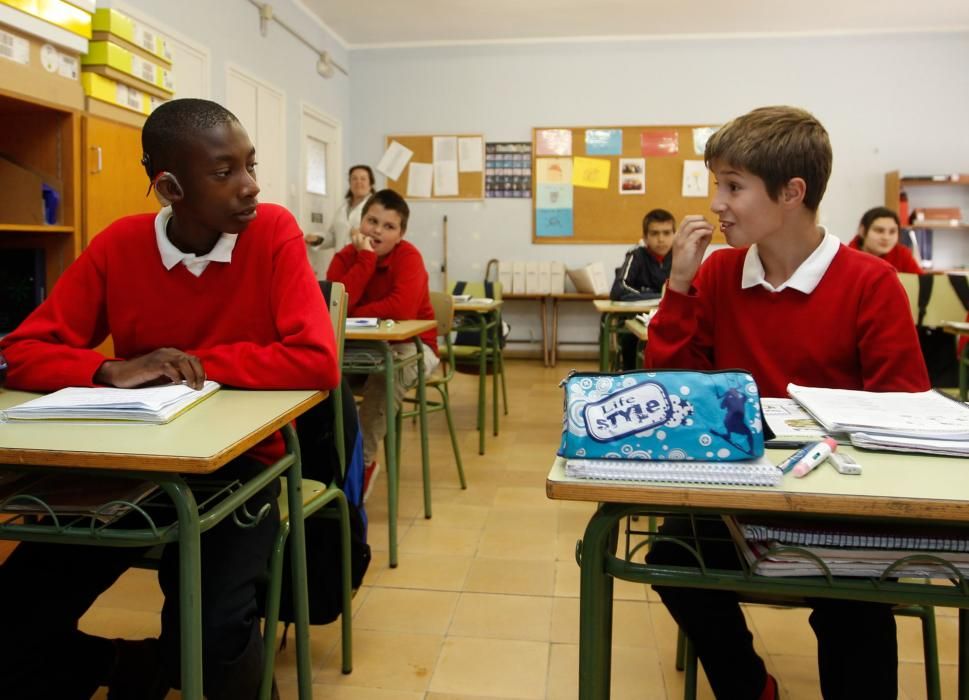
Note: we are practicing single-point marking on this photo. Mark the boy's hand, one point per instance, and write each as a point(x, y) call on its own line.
point(360, 241)
point(689, 245)
point(159, 367)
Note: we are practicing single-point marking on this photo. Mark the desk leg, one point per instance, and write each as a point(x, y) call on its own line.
point(963, 654)
point(543, 314)
point(605, 324)
point(297, 550)
point(496, 371)
point(391, 453)
point(189, 587)
point(595, 608)
point(422, 412)
point(482, 387)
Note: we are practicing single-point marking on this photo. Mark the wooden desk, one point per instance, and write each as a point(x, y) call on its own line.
point(200, 441)
point(887, 492)
point(542, 300)
point(485, 319)
point(379, 339)
point(611, 313)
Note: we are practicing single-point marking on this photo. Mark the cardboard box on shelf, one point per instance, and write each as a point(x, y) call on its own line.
point(505, 276)
point(518, 277)
point(590, 279)
point(938, 215)
point(40, 70)
point(557, 278)
point(116, 26)
point(118, 63)
point(22, 194)
point(105, 110)
point(113, 92)
point(56, 12)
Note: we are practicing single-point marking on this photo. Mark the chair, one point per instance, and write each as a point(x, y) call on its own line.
point(686, 659)
point(492, 358)
point(444, 315)
point(316, 495)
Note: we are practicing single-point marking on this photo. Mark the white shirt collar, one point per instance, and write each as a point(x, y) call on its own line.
point(805, 278)
point(196, 264)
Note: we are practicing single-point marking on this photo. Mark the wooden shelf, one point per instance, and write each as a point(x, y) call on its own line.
point(931, 182)
point(938, 227)
point(35, 228)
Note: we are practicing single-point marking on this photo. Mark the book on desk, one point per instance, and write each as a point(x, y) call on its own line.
point(157, 404)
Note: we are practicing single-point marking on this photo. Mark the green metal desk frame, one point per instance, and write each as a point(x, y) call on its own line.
point(389, 367)
point(488, 326)
point(600, 566)
point(187, 532)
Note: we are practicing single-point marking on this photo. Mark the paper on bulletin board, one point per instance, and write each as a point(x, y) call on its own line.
point(445, 178)
point(553, 170)
point(553, 142)
point(701, 135)
point(603, 142)
point(632, 176)
point(553, 222)
point(660, 143)
point(553, 197)
point(394, 160)
point(469, 154)
point(419, 178)
point(591, 172)
point(696, 183)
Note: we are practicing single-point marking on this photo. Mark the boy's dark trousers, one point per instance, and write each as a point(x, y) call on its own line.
point(857, 647)
point(46, 588)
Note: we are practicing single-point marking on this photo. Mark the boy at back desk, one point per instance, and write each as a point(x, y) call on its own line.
point(789, 303)
point(385, 277)
point(214, 286)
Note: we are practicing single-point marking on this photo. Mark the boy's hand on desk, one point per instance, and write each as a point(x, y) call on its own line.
point(689, 245)
point(360, 241)
point(163, 366)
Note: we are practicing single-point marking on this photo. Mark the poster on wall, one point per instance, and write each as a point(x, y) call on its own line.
point(508, 169)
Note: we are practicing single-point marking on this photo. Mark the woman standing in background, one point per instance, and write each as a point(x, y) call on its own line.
point(345, 221)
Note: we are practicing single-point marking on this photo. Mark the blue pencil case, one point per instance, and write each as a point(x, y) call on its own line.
point(669, 415)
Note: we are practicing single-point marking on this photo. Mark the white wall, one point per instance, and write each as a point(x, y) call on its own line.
point(230, 30)
point(889, 102)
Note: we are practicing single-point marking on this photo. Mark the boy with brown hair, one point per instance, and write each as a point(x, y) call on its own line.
point(789, 303)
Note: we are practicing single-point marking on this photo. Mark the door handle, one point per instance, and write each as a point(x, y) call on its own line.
point(100, 165)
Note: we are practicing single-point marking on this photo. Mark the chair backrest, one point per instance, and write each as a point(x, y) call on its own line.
point(338, 314)
point(910, 283)
point(944, 302)
point(443, 304)
point(477, 289)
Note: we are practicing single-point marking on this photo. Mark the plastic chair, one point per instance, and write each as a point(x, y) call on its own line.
point(686, 659)
point(444, 315)
point(316, 495)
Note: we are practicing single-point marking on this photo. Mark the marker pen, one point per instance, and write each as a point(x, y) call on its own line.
point(817, 454)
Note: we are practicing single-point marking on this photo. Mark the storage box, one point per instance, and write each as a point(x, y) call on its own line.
point(938, 215)
point(545, 277)
point(505, 275)
point(557, 278)
point(531, 278)
point(130, 34)
point(57, 12)
point(118, 63)
point(113, 92)
point(39, 70)
point(518, 277)
point(590, 279)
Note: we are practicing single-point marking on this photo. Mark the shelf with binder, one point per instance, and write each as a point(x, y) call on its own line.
point(943, 203)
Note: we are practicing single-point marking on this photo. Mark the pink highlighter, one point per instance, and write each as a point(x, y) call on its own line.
point(817, 454)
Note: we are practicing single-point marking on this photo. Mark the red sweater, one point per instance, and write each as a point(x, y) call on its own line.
point(258, 322)
point(854, 331)
point(899, 257)
point(394, 286)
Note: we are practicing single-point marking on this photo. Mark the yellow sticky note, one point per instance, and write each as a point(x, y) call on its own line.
point(591, 172)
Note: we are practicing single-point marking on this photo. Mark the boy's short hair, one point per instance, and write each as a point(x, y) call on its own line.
point(173, 125)
point(869, 217)
point(657, 216)
point(389, 199)
point(776, 144)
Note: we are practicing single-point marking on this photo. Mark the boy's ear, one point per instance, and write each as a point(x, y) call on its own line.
point(794, 191)
point(168, 187)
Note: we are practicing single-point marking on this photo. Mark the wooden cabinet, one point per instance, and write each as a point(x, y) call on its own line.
point(114, 180)
point(45, 139)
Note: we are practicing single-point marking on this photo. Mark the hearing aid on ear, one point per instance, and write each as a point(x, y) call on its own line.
point(163, 175)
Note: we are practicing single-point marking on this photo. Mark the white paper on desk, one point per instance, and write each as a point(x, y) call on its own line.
point(445, 178)
point(362, 322)
point(469, 154)
point(419, 178)
point(394, 160)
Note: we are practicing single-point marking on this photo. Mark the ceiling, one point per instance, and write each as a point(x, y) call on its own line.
point(371, 23)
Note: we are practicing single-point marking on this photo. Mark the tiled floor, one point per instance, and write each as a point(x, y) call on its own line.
point(484, 603)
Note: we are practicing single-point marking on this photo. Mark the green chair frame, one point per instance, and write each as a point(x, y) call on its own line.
point(316, 495)
point(444, 316)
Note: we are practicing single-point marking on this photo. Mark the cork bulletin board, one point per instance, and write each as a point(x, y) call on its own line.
point(471, 185)
point(595, 184)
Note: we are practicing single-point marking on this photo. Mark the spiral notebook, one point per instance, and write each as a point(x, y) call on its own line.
point(754, 472)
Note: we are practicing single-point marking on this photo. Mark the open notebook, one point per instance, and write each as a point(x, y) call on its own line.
point(157, 404)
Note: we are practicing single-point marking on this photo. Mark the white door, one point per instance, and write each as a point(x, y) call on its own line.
point(322, 182)
point(262, 110)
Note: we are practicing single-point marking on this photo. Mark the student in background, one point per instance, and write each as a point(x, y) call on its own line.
point(644, 271)
point(212, 287)
point(346, 220)
point(789, 303)
point(878, 235)
point(385, 277)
